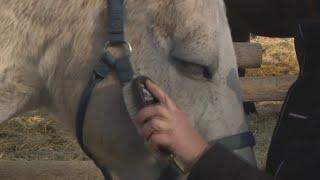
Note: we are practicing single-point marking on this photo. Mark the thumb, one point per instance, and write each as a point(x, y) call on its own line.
point(157, 92)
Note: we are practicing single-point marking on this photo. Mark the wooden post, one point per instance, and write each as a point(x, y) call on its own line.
point(249, 55)
point(273, 88)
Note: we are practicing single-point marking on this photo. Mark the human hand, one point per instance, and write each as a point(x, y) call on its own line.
point(164, 125)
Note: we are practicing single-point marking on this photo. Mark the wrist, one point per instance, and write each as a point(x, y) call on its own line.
point(186, 164)
point(197, 155)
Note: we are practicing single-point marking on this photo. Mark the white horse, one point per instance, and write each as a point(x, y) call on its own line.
point(49, 48)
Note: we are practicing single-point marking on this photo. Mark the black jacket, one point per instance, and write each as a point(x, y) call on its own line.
point(220, 164)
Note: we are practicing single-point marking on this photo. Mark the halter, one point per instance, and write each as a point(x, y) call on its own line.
point(123, 68)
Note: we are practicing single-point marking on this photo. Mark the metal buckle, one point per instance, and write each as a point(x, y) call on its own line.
point(119, 45)
point(173, 160)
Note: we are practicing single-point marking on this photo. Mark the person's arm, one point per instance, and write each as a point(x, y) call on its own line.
point(165, 125)
point(218, 163)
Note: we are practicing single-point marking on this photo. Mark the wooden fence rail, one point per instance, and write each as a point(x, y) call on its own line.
point(49, 170)
point(272, 88)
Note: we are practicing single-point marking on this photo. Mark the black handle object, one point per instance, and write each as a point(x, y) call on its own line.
point(142, 96)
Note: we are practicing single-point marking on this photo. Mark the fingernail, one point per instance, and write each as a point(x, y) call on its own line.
point(151, 81)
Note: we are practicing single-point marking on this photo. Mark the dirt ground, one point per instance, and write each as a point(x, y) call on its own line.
point(35, 136)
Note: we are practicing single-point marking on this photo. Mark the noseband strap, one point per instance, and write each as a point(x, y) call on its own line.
point(115, 29)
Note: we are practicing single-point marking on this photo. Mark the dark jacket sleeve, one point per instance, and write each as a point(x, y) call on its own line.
point(220, 164)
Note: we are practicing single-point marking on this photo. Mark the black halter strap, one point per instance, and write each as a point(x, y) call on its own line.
point(115, 24)
point(122, 66)
point(106, 63)
point(99, 73)
point(235, 142)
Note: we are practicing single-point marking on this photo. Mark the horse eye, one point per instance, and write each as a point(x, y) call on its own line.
point(191, 70)
point(207, 73)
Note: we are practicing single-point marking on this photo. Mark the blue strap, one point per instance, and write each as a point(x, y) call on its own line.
point(108, 59)
point(99, 73)
point(122, 66)
point(124, 69)
point(115, 28)
point(237, 141)
point(115, 24)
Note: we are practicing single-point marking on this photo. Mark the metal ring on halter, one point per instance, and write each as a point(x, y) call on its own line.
point(123, 43)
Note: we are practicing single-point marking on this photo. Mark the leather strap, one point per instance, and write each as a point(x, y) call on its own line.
point(237, 141)
point(122, 66)
point(115, 28)
point(115, 24)
point(99, 73)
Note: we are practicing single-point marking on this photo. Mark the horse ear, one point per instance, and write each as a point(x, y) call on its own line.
point(18, 93)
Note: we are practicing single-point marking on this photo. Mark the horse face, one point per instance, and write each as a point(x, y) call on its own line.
point(185, 47)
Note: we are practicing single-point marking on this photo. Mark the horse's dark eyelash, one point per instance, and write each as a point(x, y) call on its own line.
point(182, 64)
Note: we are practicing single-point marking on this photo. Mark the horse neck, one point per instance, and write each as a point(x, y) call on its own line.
point(71, 35)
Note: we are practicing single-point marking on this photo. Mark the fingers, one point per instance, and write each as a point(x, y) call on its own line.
point(154, 126)
point(160, 94)
point(155, 123)
point(157, 133)
point(148, 113)
point(157, 92)
point(159, 141)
